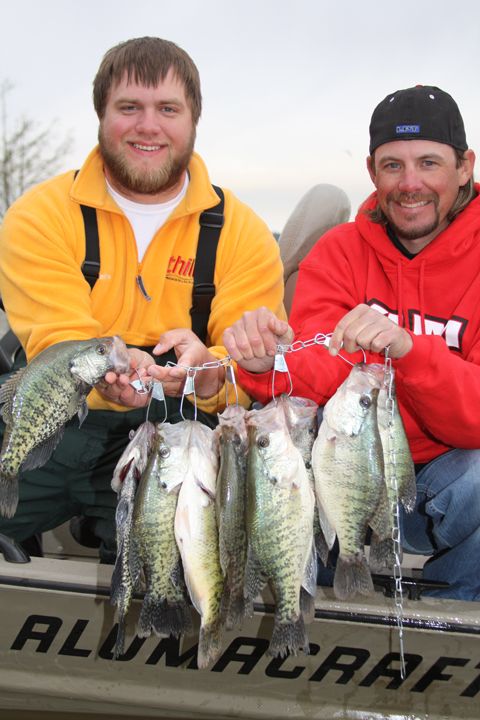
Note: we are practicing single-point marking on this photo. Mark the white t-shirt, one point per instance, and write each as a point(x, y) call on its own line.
point(146, 219)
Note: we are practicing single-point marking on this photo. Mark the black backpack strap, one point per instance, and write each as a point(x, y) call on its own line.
point(91, 265)
point(211, 223)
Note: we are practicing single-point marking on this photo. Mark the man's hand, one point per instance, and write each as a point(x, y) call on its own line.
point(366, 328)
point(190, 352)
point(117, 388)
point(252, 341)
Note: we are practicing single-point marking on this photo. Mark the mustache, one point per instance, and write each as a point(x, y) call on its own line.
point(405, 197)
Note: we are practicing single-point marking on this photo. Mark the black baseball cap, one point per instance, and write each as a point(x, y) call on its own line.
point(422, 112)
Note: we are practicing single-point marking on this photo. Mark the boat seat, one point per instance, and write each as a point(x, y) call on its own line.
point(321, 208)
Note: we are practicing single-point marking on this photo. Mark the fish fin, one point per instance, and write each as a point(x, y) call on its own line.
point(40, 454)
point(382, 553)
point(288, 638)
point(321, 545)
point(352, 575)
point(207, 495)
point(408, 494)
point(82, 413)
point(122, 513)
point(210, 643)
point(309, 581)
point(233, 604)
point(381, 521)
point(307, 606)
point(162, 617)
point(134, 563)
point(7, 392)
point(255, 579)
point(8, 493)
point(328, 531)
point(234, 609)
point(116, 583)
point(177, 576)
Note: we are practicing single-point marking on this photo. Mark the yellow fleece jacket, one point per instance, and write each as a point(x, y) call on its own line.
point(47, 299)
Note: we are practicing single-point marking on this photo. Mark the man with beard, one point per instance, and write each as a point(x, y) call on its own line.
point(403, 276)
point(149, 192)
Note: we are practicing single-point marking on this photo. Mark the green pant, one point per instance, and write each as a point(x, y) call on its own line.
point(76, 480)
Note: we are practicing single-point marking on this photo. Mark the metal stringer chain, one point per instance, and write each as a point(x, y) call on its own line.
point(395, 508)
point(155, 387)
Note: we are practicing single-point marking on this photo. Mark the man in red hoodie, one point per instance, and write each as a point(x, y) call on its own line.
point(404, 275)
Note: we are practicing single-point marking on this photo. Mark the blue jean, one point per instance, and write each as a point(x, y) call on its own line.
point(446, 523)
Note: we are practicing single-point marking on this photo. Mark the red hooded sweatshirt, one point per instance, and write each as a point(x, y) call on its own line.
point(435, 295)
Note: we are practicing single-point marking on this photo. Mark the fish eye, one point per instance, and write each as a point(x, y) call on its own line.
point(263, 441)
point(236, 440)
point(308, 464)
point(365, 401)
point(163, 484)
point(164, 451)
point(101, 349)
point(273, 480)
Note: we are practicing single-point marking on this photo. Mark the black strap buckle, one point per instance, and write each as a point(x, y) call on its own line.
point(211, 219)
point(202, 298)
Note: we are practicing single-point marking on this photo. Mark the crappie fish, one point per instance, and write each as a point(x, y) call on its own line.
point(230, 504)
point(41, 398)
point(153, 549)
point(126, 476)
point(301, 417)
point(197, 538)
point(280, 504)
point(399, 469)
point(348, 466)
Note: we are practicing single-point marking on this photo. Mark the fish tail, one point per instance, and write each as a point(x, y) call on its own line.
point(288, 638)
point(119, 648)
point(352, 575)
point(163, 618)
point(210, 643)
point(8, 491)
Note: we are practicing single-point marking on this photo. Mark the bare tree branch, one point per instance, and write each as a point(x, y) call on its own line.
point(27, 153)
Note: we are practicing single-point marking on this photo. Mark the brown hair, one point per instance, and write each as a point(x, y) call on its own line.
point(147, 60)
point(466, 193)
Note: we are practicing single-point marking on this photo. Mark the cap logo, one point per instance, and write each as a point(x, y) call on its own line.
point(407, 129)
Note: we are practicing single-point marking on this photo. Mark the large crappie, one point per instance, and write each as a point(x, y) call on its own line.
point(41, 398)
point(230, 503)
point(348, 466)
point(280, 504)
point(197, 538)
point(126, 476)
point(153, 549)
point(399, 467)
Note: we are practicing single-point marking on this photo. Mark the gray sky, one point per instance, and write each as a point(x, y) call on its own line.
point(288, 85)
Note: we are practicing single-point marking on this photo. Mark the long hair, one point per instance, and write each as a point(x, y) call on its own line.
point(466, 193)
point(147, 60)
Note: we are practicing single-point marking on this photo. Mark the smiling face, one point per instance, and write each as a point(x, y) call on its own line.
point(417, 184)
point(146, 138)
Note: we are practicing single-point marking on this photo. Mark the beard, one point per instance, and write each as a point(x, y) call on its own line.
point(143, 181)
point(414, 232)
